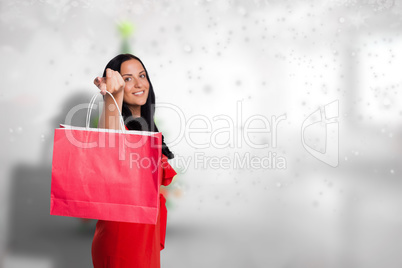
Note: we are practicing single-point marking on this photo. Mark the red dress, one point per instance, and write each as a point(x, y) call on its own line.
point(132, 245)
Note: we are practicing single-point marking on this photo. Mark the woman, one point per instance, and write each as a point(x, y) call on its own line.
point(122, 244)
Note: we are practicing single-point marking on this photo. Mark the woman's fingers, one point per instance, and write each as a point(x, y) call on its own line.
point(109, 80)
point(113, 82)
point(97, 81)
point(100, 82)
point(109, 72)
point(120, 80)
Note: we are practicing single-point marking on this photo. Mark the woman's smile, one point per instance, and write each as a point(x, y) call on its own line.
point(138, 93)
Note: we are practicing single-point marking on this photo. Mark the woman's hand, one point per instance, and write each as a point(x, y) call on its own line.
point(113, 82)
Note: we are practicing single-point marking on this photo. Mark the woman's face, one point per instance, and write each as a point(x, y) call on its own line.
point(137, 87)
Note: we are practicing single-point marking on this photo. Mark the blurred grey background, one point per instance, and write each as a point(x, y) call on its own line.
point(259, 59)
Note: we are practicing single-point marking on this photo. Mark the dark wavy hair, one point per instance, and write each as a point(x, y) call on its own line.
point(146, 121)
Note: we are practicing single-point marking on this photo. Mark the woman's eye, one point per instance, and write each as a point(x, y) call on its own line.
point(127, 79)
point(142, 76)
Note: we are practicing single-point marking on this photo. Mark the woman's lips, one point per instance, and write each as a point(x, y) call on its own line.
point(139, 93)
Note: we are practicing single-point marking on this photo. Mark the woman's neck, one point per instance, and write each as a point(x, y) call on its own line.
point(135, 110)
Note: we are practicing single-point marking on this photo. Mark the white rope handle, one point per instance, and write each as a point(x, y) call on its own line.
point(91, 104)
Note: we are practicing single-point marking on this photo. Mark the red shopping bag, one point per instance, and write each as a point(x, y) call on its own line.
point(106, 174)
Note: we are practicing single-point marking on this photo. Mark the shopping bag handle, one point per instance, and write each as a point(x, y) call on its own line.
point(91, 104)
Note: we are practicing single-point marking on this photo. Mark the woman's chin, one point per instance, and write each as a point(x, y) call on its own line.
point(137, 102)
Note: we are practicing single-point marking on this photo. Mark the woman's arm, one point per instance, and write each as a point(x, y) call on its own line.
point(113, 83)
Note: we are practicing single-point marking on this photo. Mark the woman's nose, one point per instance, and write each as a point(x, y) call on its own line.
point(136, 83)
